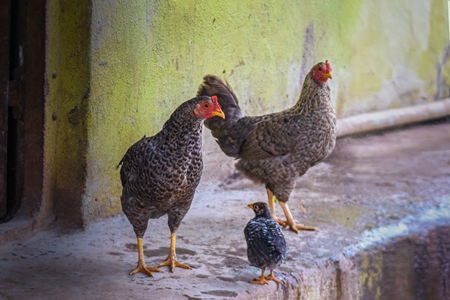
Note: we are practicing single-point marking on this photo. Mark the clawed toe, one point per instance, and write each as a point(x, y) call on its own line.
point(259, 281)
point(303, 227)
point(172, 263)
point(143, 268)
point(281, 222)
point(263, 279)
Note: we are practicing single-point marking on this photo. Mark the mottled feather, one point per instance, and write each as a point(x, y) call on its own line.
point(160, 173)
point(275, 149)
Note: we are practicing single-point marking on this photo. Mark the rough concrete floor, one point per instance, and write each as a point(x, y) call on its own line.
point(372, 190)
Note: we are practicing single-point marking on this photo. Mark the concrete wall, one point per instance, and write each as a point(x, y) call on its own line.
point(123, 66)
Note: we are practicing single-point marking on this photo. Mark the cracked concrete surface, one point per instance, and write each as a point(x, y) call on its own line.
point(381, 201)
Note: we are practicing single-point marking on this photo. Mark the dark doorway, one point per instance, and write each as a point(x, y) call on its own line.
point(22, 67)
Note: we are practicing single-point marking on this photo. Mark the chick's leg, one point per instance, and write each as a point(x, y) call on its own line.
point(291, 222)
point(141, 266)
point(261, 280)
point(171, 259)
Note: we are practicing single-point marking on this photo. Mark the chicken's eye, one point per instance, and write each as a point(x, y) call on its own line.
point(320, 69)
point(206, 105)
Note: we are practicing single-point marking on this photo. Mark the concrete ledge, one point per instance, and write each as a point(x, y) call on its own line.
point(381, 202)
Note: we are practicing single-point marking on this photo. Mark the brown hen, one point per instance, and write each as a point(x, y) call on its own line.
point(159, 174)
point(276, 149)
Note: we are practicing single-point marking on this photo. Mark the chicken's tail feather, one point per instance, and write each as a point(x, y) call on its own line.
point(118, 165)
point(223, 129)
point(213, 85)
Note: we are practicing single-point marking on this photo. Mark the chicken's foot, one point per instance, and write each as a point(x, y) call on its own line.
point(171, 259)
point(263, 279)
point(289, 219)
point(292, 223)
point(141, 266)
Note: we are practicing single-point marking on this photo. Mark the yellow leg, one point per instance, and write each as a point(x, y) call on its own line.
point(171, 259)
point(270, 200)
point(141, 266)
point(261, 280)
point(291, 222)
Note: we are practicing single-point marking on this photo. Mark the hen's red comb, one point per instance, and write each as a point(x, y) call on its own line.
point(327, 65)
point(214, 98)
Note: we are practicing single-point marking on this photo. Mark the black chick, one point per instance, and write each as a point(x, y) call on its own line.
point(160, 173)
point(266, 246)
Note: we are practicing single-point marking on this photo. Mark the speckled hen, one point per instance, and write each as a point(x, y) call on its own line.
point(266, 246)
point(276, 149)
point(159, 174)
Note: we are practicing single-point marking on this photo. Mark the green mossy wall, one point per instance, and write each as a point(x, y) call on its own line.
point(146, 57)
point(68, 82)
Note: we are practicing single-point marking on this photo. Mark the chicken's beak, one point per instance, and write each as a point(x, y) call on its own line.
point(251, 205)
point(218, 113)
point(328, 75)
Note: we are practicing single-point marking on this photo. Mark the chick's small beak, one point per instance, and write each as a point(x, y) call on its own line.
point(328, 75)
point(219, 113)
point(250, 205)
